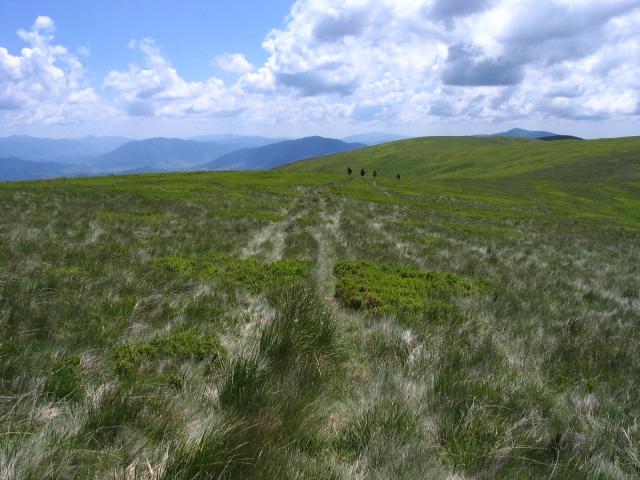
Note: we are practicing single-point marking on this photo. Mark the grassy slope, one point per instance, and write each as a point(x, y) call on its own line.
point(438, 158)
point(108, 318)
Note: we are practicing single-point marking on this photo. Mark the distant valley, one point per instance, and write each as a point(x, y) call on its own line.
point(27, 158)
point(278, 154)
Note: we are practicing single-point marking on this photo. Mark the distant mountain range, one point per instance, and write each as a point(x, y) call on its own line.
point(229, 139)
point(58, 150)
point(162, 153)
point(520, 132)
point(29, 158)
point(277, 154)
point(373, 138)
point(16, 169)
point(554, 138)
point(103, 144)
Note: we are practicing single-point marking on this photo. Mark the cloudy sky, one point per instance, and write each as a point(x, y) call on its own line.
point(145, 68)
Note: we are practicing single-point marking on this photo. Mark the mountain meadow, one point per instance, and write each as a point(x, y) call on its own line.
point(478, 318)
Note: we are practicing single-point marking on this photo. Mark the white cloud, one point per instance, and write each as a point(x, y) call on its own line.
point(83, 50)
point(44, 84)
point(158, 90)
point(234, 63)
point(392, 63)
point(402, 62)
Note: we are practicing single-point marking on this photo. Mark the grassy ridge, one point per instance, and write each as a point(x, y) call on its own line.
point(297, 325)
point(439, 158)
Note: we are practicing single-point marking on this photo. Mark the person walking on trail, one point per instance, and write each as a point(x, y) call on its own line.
point(375, 174)
point(362, 172)
point(398, 176)
point(349, 170)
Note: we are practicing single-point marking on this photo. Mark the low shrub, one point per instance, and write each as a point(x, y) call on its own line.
point(250, 273)
point(181, 344)
point(385, 288)
point(309, 221)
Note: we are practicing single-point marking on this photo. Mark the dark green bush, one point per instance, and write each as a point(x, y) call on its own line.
point(250, 273)
point(181, 344)
point(385, 288)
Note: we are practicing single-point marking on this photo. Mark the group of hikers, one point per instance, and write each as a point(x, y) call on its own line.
point(363, 172)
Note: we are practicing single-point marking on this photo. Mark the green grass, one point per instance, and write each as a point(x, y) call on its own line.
point(469, 321)
point(439, 158)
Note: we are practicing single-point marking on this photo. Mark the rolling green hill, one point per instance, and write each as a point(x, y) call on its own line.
point(274, 324)
point(439, 158)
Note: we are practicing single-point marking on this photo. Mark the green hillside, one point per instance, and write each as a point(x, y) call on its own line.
point(295, 325)
point(438, 158)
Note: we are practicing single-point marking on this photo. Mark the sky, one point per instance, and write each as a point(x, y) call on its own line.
point(144, 68)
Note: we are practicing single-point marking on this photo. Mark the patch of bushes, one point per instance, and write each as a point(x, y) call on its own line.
point(181, 344)
point(272, 217)
point(309, 221)
point(250, 273)
point(385, 288)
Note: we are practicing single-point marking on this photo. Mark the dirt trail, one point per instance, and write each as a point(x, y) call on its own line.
point(269, 242)
point(328, 236)
point(274, 233)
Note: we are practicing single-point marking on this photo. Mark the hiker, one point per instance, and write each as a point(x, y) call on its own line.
point(398, 176)
point(349, 170)
point(375, 174)
point(362, 172)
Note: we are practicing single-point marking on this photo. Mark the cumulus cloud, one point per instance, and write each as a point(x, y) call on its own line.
point(233, 63)
point(465, 66)
point(338, 24)
point(158, 90)
point(447, 11)
point(390, 62)
point(83, 50)
point(45, 83)
point(314, 83)
point(494, 60)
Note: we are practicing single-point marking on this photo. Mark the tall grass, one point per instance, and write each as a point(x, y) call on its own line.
point(275, 325)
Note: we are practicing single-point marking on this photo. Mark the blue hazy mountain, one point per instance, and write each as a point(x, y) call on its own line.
point(373, 138)
point(17, 169)
point(103, 144)
point(161, 153)
point(58, 150)
point(228, 139)
point(32, 148)
point(274, 155)
point(145, 169)
point(554, 138)
point(520, 132)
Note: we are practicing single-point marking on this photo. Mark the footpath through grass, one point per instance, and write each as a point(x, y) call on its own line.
point(297, 325)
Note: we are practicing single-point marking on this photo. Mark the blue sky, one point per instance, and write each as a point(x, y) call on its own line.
point(191, 33)
point(327, 67)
